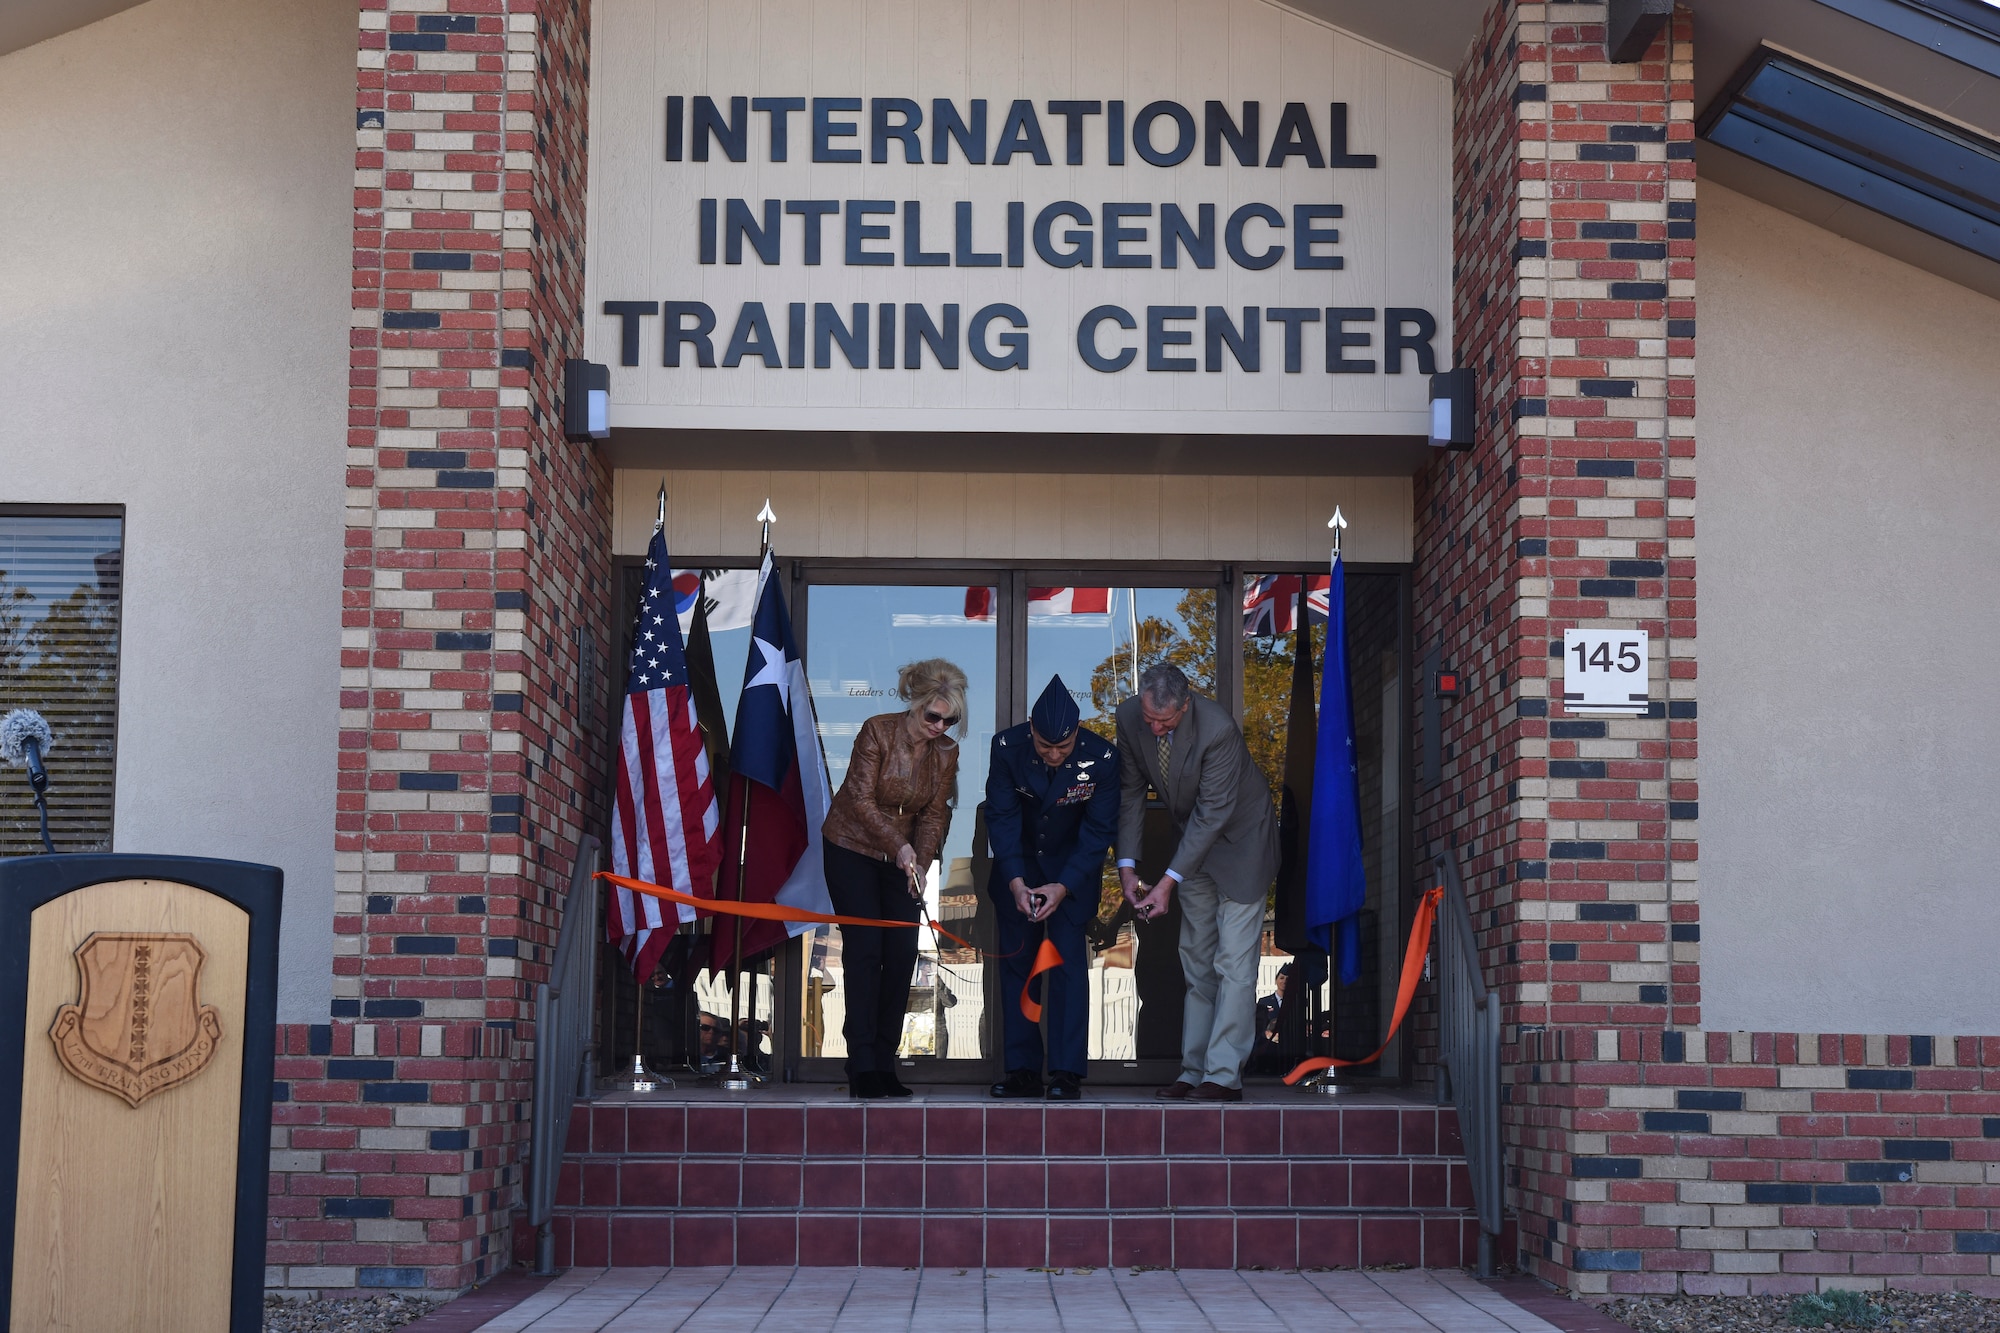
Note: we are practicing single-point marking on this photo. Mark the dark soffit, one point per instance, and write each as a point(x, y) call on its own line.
point(919, 451)
point(1863, 147)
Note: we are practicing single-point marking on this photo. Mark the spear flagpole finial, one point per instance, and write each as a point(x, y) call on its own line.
point(767, 518)
point(660, 523)
point(1337, 523)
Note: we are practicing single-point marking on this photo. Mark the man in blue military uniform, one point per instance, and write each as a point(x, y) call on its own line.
point(1051, 814)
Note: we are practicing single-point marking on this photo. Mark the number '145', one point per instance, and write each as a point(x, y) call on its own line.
point(1600, 657)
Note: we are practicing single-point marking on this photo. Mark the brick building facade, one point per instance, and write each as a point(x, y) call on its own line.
point(1645, 1155)
point(474, 628)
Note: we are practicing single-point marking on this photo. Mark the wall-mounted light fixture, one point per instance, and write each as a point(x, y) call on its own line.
point(586, 400)
point(1630, 27)
point(1454, 401)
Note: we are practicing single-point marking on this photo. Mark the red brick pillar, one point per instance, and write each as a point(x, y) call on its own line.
point(1574, 300)
point(477, 572)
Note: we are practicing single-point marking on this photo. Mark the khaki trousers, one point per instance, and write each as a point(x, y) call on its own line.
point(1219, 959)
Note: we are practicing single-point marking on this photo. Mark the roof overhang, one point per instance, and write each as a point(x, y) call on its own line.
point(1887, 99)
point(25, 22)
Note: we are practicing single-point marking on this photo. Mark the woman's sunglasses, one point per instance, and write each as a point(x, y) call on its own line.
point(939, 719)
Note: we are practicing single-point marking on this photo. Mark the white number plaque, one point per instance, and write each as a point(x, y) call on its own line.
point(1604, 671)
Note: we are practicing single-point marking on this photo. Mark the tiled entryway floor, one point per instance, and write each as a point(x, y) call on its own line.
point(945, 1300)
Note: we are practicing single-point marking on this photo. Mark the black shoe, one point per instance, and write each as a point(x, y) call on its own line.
point(867, 1086)
point(893, 1086)
point(1018, 1083)
point(1064, 1086)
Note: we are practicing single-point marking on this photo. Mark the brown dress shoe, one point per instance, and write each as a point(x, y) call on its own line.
point(1215, 1092)
point(1177, 1091)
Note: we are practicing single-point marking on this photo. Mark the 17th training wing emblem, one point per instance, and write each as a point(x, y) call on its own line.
point(138, 1026)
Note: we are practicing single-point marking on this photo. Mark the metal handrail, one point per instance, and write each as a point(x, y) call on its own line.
point(1469, 1055)
point(562, 1047)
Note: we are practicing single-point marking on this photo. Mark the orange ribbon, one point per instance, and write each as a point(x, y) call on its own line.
point(759, 911)
point(1406, 989)
point(1047, 957)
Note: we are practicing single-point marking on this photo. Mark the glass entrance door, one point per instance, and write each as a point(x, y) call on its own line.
point(1099, 639)
point(858, 635)
point(1010, 630)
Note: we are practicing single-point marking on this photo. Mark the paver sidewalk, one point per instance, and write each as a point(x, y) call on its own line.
point(943, 1300)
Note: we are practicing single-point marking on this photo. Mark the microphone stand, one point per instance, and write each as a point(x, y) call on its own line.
point(38, 782)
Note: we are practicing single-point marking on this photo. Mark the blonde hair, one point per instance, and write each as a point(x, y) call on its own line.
point(934, 680)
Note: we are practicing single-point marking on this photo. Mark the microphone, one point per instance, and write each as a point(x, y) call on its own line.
point(24, 737)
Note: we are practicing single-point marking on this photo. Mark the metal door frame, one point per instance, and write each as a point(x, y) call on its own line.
point(1011, 579)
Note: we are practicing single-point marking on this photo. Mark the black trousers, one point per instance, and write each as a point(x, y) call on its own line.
point(876, 962)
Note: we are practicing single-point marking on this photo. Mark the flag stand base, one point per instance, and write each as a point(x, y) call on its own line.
point(638, 1079)
point(1323, 1085)
point(738, 1079)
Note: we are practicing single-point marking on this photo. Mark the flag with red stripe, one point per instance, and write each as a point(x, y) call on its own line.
point(666, 824)
point(779, 791)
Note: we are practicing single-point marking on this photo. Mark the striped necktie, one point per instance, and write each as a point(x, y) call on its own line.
point(1166, 749)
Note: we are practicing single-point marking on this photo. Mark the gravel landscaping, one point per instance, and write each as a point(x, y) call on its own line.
point(1885, 1311)
point(352, 1314)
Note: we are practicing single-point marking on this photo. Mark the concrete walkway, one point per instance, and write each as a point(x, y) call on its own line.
point(944, 1300)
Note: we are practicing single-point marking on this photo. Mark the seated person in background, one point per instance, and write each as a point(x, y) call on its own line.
point(750, 1045)
point(1266, 1058)
point(713, 1032)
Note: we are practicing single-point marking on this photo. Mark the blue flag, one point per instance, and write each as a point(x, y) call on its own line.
point(1336, 883)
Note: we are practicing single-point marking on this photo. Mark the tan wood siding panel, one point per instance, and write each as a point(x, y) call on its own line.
point(1017, 516)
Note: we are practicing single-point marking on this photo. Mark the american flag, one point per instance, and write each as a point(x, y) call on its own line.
point(666, 826)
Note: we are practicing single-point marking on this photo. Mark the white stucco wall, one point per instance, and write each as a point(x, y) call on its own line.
point(174, 198)
point(1849, 540)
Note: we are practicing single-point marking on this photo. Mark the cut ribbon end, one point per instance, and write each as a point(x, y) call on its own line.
point(1047, 958)
point(1406, 990)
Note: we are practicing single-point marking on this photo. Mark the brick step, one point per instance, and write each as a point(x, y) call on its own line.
point(953, 1179)
point(904, 1239)
point(1299, 1128)
point(1042, 1185)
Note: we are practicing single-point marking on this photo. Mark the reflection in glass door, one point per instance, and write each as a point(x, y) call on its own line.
point(1010, 631)
point(1301, 1010)
point(857, 638)
point(1099, 640)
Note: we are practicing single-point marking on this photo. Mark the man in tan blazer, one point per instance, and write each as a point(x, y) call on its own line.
point(1190, 750)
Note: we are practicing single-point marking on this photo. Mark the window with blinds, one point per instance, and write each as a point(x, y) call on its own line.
point(60, 575)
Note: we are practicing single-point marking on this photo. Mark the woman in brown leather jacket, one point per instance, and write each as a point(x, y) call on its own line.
point(887, 825)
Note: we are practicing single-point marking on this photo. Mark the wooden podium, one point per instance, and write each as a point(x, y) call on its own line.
point(137, 1000)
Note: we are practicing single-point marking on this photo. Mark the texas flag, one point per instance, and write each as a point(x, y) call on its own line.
point(778, 786)
point(1044, 602)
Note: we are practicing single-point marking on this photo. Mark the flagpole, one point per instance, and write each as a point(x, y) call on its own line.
point(1325, 1082)
point(739, 1079)
point(639, 1078)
